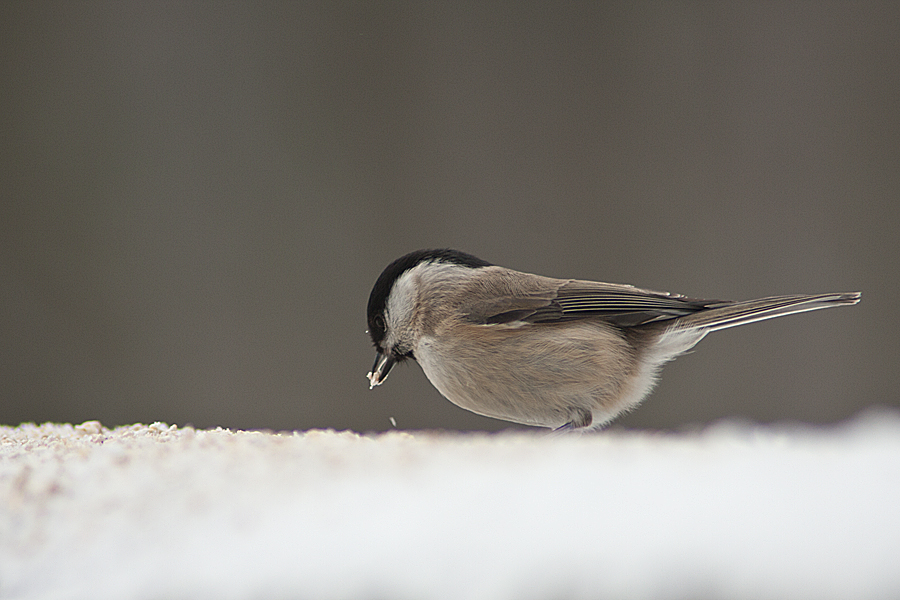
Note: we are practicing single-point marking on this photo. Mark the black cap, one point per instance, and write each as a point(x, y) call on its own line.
point(382, 289)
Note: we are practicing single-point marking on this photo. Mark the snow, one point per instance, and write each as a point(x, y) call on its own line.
point(734, 511)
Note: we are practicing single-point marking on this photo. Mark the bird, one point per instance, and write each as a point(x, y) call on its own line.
point(565, 354)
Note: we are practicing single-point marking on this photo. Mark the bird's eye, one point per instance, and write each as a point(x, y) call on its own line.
point(379, 322)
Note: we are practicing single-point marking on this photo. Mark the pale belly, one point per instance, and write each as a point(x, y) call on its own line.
point(542, 376)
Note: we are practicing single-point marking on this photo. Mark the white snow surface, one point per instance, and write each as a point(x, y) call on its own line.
point(733, 511)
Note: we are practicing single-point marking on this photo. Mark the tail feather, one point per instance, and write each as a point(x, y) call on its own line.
point(732, 314)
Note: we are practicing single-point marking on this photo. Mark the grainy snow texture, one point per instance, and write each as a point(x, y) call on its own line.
point(150, 512)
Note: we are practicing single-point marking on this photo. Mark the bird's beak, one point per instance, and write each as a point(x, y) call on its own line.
point(380, 370)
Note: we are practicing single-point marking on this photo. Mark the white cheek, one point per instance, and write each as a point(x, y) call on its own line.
point(399, 309)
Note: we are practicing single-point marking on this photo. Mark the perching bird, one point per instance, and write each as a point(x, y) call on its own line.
point(560, 353)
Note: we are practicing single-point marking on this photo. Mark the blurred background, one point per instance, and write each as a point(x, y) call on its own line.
point(196, 198)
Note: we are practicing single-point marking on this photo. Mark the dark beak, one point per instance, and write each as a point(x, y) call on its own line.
point(381, 368)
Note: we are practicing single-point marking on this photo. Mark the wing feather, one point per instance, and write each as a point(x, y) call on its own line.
point(568, 300)
point(518, 297)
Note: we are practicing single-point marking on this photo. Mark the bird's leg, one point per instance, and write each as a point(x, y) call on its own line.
point(581, 418)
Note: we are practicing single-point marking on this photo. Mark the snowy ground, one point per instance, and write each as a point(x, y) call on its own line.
point(150, 512)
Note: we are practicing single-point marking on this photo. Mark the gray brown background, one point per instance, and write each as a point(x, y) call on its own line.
point(197, 197)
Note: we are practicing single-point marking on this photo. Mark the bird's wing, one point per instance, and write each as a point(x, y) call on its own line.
point(552, 300)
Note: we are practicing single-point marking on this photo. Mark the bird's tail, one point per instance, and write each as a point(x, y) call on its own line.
point(731, 314)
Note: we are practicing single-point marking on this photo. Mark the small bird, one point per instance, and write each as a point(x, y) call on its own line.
point(560, 353)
